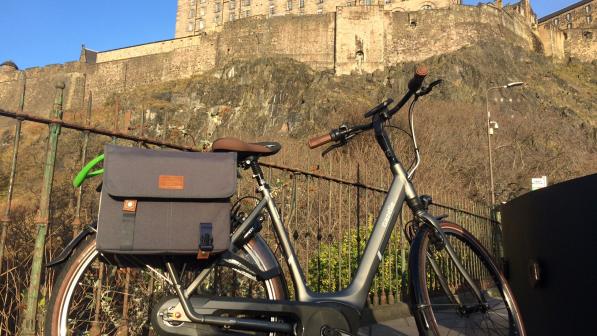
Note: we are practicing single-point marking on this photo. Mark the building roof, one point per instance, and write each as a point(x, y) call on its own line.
point(564, 10)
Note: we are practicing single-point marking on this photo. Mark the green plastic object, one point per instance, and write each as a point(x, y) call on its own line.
point(86, 171)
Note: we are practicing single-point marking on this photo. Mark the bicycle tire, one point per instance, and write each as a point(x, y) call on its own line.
point(85, 255)
point(439, 310)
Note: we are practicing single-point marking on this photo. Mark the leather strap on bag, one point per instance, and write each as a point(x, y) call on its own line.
point(127, 230)
point(206, 241)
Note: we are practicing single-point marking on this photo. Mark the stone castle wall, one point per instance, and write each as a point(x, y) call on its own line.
point(578, 26)
point(356, 38)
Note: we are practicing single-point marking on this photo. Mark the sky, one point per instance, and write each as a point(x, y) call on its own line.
point(41, 32)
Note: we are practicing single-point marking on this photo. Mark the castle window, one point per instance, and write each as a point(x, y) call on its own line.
point(569, 26)
point(247, 2)
point(588, 9)
point(589, 19)
point(426, 7)
point(302, 3)
point(289, 5)
point(232, 4)
point(202, 11)
point(201, 24)
point(387, 1)
point(192, 13)
point(190, 26)
point(231, 17)
point(367, 2)
point(556, 22)
point(247, 13)
point(568, 16)
point(272, 9)
point(587, 35)
point(218, 7)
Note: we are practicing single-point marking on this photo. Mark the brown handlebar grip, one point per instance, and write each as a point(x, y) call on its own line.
point(319, 141)
point(421, 71)
point(417, 81)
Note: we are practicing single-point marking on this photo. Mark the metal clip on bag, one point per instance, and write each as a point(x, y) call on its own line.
point(165, 202)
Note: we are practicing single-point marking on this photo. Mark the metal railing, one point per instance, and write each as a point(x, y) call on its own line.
point(328, 208)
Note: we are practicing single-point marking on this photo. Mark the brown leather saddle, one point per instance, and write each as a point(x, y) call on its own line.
point(245, 149)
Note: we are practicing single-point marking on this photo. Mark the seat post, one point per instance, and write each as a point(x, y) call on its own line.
point(257, 172)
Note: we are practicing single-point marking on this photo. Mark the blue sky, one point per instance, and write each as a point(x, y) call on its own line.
point(41, 32)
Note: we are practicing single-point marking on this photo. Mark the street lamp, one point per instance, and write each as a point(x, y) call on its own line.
point(491, 126)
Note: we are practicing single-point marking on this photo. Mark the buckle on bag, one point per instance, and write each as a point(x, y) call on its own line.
point(206, 241)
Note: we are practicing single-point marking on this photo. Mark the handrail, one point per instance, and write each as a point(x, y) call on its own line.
point(94, 130)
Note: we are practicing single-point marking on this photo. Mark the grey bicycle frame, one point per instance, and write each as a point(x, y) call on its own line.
point(355, 294)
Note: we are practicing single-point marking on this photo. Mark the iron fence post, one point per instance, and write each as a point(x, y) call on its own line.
point(77, 220)
point(29, 321)
point(5, 220)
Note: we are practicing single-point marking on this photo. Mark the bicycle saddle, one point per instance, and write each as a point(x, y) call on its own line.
point(245, 149)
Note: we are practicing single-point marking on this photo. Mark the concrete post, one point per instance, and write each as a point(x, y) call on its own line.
point(30, 317)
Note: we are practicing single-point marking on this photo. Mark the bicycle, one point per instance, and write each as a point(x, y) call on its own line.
point(244, 290)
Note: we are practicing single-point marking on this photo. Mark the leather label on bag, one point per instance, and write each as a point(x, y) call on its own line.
point(129, 206)
point(171, 182)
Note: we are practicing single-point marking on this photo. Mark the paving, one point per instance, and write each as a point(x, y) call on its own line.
point(398, 327)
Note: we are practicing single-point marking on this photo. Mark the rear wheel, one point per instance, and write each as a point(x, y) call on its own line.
point(443, 301)
point(92, 298)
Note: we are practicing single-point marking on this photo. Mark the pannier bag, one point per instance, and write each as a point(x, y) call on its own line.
point(165, 202)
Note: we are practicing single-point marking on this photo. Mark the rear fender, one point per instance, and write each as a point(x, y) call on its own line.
point(66, 252)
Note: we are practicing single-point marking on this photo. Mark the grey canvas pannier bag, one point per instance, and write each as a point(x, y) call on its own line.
point(165, 202)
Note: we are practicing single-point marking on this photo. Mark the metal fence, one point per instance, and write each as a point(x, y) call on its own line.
point(328, 206)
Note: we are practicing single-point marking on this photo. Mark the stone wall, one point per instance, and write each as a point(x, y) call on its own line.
point(356, 38)
point(308, 39)
point(578, 25)
point(582, 44)
point(553, 42)
point(395, 37)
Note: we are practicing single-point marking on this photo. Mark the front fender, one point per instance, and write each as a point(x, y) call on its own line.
point(66, 252)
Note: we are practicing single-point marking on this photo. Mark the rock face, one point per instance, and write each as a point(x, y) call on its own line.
point(547, 127)
point(356, 39)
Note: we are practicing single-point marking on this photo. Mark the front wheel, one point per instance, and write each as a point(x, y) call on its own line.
point(444, 302)
point(93, 298)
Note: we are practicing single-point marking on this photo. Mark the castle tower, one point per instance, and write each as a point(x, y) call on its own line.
point(527, 8)
point(499, 4)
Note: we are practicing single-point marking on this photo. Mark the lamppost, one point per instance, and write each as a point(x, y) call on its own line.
point(491, 125)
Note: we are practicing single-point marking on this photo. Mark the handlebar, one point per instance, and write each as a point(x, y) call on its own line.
point(344, 133)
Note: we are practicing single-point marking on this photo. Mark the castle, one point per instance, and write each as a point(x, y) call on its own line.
point(199, 16)
point(340, 36)
point(577, 26)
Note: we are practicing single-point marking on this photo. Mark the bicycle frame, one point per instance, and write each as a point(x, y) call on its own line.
point(401, 190)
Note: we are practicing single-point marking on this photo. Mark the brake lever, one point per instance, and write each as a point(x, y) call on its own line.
point(427, 89)
point(332, 147)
